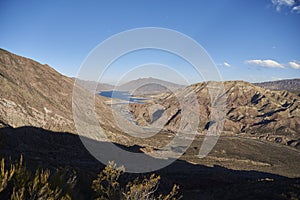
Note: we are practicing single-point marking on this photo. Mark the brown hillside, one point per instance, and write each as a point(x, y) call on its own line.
point(251, 111)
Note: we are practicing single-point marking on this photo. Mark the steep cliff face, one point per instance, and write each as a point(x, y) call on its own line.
point(251, 111)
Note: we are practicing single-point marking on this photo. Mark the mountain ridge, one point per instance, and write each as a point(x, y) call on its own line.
point(251, 111)
point(149, 86)
point(144, 86)
point(291, 85)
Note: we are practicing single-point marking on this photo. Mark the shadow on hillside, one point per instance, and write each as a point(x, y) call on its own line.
point(52, 150)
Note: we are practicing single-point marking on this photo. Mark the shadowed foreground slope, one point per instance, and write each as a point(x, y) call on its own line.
point(53, 150)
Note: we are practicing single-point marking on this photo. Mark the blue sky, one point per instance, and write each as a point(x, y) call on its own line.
point(254, 41)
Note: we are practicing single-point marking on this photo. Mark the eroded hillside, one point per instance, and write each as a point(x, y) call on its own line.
point(251, 111)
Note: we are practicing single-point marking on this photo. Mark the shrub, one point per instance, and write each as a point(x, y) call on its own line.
point(5, 175)
point(17, 183)
point(107, 186)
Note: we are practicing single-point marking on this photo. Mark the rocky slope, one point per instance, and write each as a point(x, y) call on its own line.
point(251, 111)
point(36, 95)
point(33, 94)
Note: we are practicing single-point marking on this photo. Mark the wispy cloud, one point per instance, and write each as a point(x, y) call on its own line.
point(296, 9)
point(294, 65)
point(265, 63)
point(226, 64)
point(293, 4)
point(283, 2)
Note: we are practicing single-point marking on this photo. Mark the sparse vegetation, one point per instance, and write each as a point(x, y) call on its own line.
point(17, 183)
point(107, 186)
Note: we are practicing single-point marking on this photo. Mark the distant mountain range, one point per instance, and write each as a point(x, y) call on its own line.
point(141, 86)
point(94, 86)
point(149, 86)
point(291, 85)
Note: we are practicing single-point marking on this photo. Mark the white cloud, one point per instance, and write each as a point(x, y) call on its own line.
point(294, 65)
point(287, 3)
point(226, 64)
point(296, 9)
point(280, 3)
point(265, 63)
point(283, 2)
